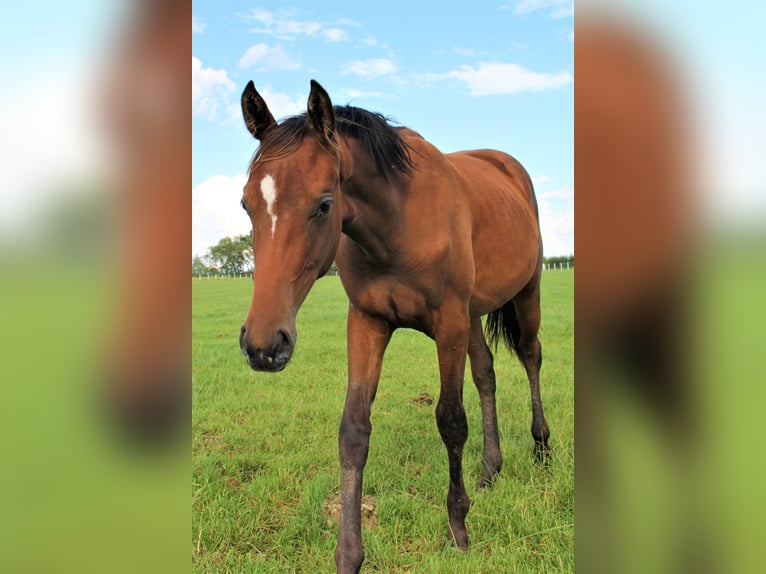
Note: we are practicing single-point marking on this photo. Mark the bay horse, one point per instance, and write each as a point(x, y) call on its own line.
point(422, 240)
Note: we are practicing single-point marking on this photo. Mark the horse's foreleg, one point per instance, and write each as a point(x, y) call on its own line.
point(367, 341)
point(484, 378)
point(451, 335)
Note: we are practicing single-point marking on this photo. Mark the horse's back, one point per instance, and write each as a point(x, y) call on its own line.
point(495, 176)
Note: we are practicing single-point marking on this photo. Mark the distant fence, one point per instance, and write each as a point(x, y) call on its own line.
point(554, 266)
point(249, 275)
point(224, 276)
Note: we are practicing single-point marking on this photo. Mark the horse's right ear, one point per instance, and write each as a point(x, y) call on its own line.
point(258, 118)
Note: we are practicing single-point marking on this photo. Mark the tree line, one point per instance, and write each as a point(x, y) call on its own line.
point(234, 256)
point(230, 256)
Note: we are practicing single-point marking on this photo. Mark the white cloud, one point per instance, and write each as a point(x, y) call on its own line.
point(282, 105)
point(540, 180)
point(492, 78)
point(335, 34)
point(216, 211)
point(370, 69)
point(555, 8)
point(49, 143)
point(557, 230)
point(267, 58)
point(556, 208)
point(561, 193)
point(354, 93)
point(210, 89)
point(463, 51)
point(198, 25)
point(284, 26)
point(350, 22)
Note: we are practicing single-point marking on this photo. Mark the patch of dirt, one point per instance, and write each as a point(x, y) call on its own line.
point(331, 509)
point(423, 399)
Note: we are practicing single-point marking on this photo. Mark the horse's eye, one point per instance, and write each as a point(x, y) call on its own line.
point(323, 208)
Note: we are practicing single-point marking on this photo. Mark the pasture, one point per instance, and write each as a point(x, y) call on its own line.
point(265, 464)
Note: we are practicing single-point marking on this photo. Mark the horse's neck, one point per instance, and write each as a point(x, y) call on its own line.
point(371, 208)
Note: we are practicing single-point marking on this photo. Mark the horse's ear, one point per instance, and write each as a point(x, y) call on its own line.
point(258, 118)
point(321, 113)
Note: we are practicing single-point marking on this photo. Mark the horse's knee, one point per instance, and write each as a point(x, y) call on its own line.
point(353, 442)
point(452, 422)
point(531, 354)
point(485, 381)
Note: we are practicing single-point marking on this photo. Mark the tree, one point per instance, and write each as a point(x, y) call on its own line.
point(200, 268)
point(246, 245)
point(230, 256)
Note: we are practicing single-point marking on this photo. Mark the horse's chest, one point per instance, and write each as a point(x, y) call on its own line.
point(399, 304)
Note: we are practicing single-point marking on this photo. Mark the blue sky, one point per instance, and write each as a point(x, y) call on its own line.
point(464, 75)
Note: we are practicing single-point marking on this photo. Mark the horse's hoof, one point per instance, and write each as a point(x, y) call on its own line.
point(486, 483)
point(461, 542)
point(542, 453)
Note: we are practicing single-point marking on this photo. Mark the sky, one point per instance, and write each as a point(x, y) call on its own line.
point(465, 75)
point(446, 69)
point(47, 122)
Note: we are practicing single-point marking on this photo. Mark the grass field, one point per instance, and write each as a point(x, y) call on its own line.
point(265, 469)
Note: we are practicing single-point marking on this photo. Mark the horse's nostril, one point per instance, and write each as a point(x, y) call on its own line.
point(282, 347)
point(243, 344)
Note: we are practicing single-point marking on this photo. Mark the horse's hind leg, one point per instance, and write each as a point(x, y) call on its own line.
point(527, 305)
point(484, 378)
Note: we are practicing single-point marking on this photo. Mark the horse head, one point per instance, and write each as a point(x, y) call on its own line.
point(292, 196)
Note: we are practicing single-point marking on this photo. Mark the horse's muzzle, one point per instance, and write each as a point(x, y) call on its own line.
point(272, 357)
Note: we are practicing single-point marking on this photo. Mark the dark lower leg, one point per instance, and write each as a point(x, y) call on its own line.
point(353, 448)
point(453, 427)
point(492, 457)
point(532, 360)
point(527, 305)
point(484, 378)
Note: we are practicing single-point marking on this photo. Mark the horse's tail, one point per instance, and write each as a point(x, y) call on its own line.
point(503, 323)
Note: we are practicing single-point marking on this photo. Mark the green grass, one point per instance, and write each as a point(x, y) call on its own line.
point(265, 448)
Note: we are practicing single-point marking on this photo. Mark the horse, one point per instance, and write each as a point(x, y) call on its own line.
point(421, 240)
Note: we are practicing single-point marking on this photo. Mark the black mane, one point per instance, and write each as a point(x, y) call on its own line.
point(378, 137)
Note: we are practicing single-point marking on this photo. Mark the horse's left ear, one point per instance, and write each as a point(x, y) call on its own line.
point(321, 113)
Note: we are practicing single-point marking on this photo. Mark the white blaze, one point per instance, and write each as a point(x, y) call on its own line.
point(269, 192)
